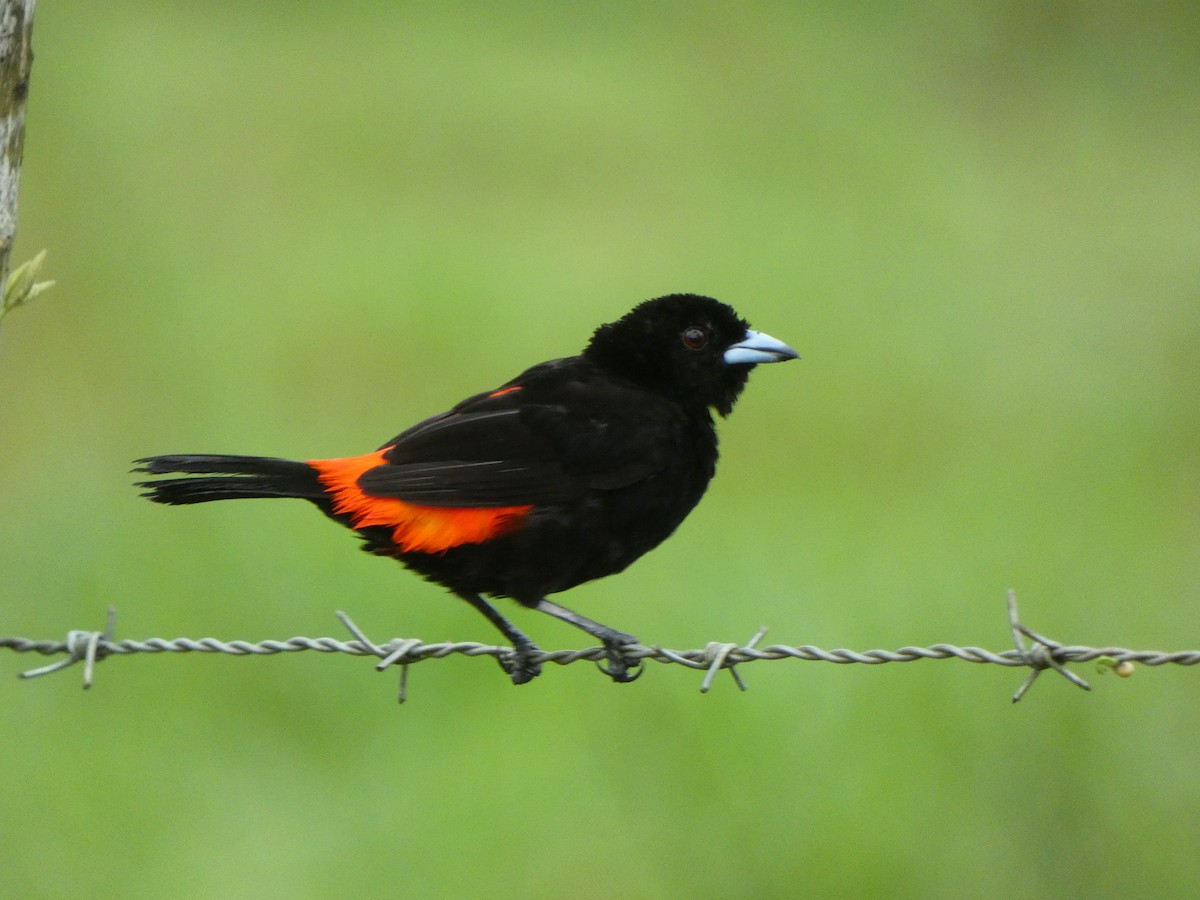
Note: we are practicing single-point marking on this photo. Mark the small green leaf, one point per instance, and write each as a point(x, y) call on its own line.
point(21, 286)
point(1123, 668)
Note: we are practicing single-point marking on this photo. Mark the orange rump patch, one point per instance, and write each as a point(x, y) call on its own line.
point(429, 529)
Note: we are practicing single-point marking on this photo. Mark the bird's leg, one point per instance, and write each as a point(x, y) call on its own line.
point(521, 666)
point(614, 641)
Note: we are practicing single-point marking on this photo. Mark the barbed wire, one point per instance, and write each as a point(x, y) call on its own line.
point(91, 647)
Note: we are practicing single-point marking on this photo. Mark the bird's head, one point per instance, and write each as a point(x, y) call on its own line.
point(693, 349)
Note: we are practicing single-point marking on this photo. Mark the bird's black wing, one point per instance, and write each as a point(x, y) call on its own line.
point(554, 433)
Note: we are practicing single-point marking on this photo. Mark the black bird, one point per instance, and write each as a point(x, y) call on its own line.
point(566, 473)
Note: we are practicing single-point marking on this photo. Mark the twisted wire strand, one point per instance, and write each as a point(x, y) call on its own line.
point(416, 651)
point(90, 647)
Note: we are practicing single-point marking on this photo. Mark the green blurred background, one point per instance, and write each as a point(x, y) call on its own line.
point(294, 229)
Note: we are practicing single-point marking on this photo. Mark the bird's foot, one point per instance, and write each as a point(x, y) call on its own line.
point(617, 664)
point(519, 664)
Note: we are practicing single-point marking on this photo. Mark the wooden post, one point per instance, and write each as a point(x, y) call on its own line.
point(16, 60)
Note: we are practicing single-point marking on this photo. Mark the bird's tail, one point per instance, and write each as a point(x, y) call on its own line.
point(228, 478)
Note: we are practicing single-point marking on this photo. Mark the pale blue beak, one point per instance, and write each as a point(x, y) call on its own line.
point(756, 348)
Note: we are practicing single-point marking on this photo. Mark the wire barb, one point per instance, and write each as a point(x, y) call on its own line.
point(1040, 656)
point(89, 647)
point(719, 655)
point(395, 651)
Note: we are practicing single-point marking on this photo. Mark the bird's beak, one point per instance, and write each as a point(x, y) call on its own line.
point(757, 347)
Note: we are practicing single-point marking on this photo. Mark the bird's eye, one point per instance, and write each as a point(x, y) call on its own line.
point(694, 337)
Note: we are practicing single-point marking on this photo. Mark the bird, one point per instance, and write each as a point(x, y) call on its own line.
point(566, 473)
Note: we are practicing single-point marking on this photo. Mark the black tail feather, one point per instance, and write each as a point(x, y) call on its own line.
point(228, 478)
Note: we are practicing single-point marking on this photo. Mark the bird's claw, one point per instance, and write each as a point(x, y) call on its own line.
point(519, 664)
point(616, 665)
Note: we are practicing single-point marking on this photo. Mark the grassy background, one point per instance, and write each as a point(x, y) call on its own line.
point(293, 229)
